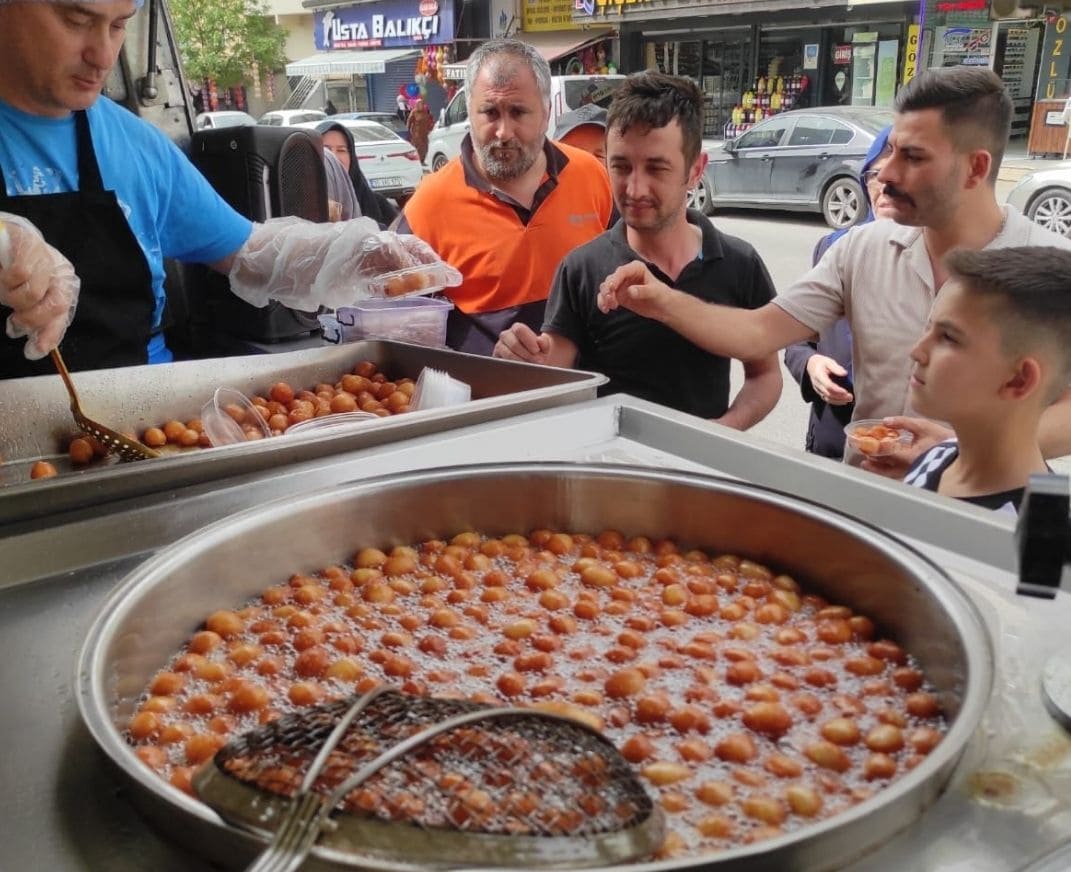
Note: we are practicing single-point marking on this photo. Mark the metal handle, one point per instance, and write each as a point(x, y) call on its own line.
point(61, 368)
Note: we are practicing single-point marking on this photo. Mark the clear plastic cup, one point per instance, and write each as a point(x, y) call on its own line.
point(229, 418)
point(870, 437)
point(331, 423)
point(436, 389)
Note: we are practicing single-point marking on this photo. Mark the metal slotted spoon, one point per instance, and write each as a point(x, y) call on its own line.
point(435, 783)
point(124, 446)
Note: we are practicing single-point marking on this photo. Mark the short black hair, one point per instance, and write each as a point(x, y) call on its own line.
point(1029, 291)
point(974, 104)
point(651, 100)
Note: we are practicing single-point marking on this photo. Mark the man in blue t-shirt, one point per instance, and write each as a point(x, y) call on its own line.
point(92, 199)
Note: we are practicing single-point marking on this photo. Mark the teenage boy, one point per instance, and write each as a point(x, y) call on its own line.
point(654, 155)
point(996, 353)
point(949, 134)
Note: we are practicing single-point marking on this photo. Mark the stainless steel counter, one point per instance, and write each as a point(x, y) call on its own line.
point(63, 808)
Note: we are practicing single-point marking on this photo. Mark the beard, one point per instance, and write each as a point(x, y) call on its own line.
point(503, 162)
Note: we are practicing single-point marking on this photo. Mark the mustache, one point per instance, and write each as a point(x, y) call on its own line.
point(895, 193)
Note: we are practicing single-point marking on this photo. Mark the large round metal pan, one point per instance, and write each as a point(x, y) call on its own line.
point(160, 604)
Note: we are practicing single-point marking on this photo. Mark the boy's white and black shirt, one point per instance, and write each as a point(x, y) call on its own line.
point(928, 468)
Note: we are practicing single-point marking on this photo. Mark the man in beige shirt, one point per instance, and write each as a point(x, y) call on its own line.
point(947, 142)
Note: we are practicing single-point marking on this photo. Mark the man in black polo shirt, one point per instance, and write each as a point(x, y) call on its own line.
point(654, 155)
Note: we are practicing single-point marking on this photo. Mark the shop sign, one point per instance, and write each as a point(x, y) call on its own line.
point(609, 7)
point(387, 24)
point(1055, 52)
point(539, 15)
point(911, 55)
point(842, 54)
point(963, 6)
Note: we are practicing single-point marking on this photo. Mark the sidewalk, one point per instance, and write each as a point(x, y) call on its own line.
point(1017, 161)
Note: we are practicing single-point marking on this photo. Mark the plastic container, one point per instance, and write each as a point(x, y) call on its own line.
point(334, 422)
point(425, 278)
point(870, 437)
point(419, 320)
point(230, 418)
point(436, 389)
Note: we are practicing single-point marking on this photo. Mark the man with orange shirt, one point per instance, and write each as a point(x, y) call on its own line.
point(513, 204)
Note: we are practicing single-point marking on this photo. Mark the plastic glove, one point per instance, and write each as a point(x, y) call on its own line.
point(38, 283)
point(305, 265)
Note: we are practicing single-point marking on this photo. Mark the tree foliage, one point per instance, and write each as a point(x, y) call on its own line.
point(227, 40)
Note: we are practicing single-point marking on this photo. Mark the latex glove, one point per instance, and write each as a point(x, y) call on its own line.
point(38, 283)
point(821, 369)
point(305, 265)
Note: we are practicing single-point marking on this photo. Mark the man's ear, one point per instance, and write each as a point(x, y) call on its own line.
point(1028, 378)
point(696, 171)
point(979, 163)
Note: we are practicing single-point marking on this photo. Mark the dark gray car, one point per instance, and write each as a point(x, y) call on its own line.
point(806, 160)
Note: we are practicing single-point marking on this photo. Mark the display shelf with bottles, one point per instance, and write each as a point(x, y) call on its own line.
point(771, 94)
point(1016, 62)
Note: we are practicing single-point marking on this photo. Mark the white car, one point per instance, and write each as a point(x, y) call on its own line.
point(222, 118)
point(391, 165)
point(566, 93)
point(291, 117)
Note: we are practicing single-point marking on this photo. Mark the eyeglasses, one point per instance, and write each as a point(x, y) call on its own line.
point(870, 176)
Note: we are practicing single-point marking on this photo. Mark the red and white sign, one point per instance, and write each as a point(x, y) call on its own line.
point(842, 54)
point(429, 7)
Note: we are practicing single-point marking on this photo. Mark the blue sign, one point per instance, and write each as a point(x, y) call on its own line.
point(387, 24)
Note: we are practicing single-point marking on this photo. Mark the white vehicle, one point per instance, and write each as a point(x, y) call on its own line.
point(290, 117)
point(223, 118)
point(391, 165)
point(566, 93)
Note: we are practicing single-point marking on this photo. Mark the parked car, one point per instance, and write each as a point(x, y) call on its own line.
point(806, 160)
point(391, 165)
point(291, 117)
point(566, 93)
point(387, 119)
point(1044, 196)
point(214, 120)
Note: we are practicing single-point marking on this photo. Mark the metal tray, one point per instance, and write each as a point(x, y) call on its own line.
point(72, 813)
point(163, 602)
point(36, 416)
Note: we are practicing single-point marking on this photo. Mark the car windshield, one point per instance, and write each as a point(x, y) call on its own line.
point(872, 122)
point(371, 134)
point(235, 120)
point(596, 90)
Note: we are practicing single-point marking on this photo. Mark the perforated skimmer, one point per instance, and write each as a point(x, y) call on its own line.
point(436, 783)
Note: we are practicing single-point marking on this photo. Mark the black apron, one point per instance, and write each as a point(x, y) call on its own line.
point(114, 319)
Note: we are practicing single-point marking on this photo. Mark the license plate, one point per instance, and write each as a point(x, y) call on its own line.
point(390, 182)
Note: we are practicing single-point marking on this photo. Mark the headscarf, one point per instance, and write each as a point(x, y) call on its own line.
point(373, 205)
point(877, 148)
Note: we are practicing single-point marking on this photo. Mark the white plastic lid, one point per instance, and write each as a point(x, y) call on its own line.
point(223, 428)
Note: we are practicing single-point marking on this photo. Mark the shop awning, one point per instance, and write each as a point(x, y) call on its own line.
point(552, 44)
point(348, 63)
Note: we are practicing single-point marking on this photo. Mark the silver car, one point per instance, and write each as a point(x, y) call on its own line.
point(1044, 197)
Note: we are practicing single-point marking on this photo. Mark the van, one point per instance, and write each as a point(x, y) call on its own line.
point(566, 93)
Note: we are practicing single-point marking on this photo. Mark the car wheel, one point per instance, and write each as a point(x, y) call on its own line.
point(699, 198)
point(438, 162)
point(843, 204)
point(1052, 210)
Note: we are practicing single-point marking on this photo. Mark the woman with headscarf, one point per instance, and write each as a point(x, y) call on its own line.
point(825, 429)
point(339, 141)
point(420, 123)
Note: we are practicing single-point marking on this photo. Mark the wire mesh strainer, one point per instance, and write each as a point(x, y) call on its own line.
point(438, 783)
